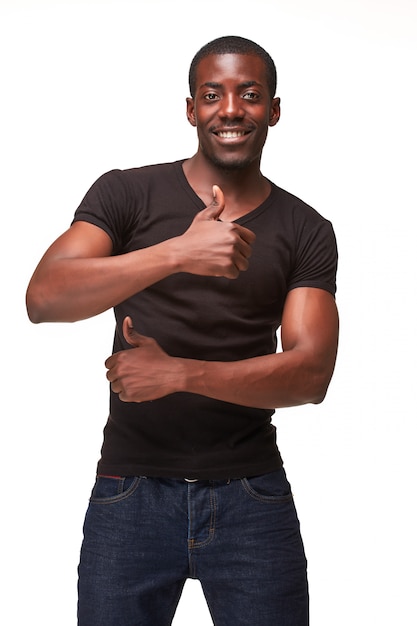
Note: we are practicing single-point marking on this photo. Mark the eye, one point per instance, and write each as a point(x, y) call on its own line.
point(250, 95)
point(211, 96)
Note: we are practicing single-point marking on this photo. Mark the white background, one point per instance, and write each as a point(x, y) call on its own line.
point(90, 86)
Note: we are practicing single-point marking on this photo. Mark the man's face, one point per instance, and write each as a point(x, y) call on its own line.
point(232, 109)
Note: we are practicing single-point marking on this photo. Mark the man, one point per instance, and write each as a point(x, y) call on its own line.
point(203, 260)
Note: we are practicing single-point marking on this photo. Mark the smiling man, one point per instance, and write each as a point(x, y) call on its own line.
point(231, 112)
point(203, 260)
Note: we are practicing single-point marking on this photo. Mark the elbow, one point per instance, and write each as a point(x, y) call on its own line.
point(35, 308)
point(34, 317)
point(319, 397)
point(39, 305)
point(320, 387)
point(42, 306)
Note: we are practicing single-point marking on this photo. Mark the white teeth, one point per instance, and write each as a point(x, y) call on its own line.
point(230, 134)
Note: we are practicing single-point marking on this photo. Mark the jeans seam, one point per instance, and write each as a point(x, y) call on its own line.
point(120, 496)
point(262, 498)
point(192, 544)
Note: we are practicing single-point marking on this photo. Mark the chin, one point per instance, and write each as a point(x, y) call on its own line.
point(231, 164)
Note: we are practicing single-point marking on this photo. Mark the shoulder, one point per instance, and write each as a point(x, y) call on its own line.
point(292, 219)
point(312, 241)
point(295, 207)
point(158, 171)
point(116, 180)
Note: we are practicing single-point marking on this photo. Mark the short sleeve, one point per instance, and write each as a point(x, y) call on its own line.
point(316, 255)
point(108, 204)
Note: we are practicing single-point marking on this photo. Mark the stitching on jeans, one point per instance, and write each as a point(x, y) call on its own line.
point(121, 496)
point(212, 528)
point(262, 498)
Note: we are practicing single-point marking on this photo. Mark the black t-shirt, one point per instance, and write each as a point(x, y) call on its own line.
point(206, 318)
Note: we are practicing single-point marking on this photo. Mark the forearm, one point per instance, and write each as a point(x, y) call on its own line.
point(300, 374)
point(273, 381)
point(78, 277)
point(71, 289)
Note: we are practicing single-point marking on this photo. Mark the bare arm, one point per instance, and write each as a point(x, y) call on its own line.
point(78, 278)
point(298, 375)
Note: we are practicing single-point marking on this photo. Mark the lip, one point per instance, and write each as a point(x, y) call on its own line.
point(231, 134)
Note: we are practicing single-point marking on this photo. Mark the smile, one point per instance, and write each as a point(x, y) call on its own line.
point(230, 134)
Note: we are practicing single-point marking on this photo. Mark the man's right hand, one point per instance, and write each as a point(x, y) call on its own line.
point(210, 247)
point(78, 276)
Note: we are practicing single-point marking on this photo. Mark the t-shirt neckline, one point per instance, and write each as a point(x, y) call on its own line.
point(198, 201)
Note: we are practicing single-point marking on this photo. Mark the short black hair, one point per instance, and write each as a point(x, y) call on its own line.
point(231, 44)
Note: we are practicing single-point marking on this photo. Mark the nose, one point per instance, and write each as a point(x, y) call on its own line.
point(231, 106)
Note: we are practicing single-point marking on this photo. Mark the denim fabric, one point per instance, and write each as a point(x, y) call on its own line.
point(143, 537)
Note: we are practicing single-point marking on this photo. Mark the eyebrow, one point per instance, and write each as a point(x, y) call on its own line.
point(244, 85)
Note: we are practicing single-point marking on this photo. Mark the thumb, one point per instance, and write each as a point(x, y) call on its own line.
point(215, 208)
point(129, 333)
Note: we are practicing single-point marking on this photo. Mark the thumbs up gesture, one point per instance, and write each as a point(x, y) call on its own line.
point(211, 247)
point(145, 372)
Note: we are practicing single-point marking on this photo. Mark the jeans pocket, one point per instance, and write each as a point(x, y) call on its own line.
point(108, 489)
point(271, 487)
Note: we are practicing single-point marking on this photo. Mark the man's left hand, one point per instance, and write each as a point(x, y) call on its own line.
point(144, 373)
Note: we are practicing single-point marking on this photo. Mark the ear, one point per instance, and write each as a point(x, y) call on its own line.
point(191, 112)
point(275, 111)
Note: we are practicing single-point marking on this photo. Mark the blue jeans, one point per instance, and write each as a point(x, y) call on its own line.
point(143, 537)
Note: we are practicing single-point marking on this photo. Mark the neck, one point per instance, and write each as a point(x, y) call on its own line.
point(244, 189)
